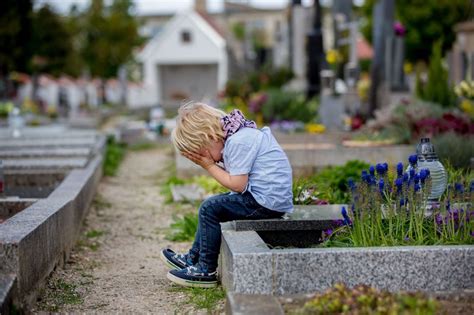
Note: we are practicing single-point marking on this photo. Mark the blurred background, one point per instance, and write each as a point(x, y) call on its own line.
point(389, 70)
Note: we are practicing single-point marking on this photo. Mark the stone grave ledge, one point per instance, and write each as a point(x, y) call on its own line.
point(249, 265)
point(41, 236)
point(7, 287)
point(29, 153)
point(50, 131)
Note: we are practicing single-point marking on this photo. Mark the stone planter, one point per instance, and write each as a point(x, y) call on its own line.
point(249, 265)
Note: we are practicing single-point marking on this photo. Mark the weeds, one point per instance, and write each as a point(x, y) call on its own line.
point(59, 293)
point(202, 298)
point(183, 229)
point(114, 154)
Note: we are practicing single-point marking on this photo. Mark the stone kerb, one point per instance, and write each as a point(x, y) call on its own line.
point(249, 265)
point(33, 241)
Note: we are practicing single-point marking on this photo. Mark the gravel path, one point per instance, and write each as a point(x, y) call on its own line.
point(116, 267)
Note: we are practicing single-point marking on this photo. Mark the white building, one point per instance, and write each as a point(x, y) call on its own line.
point(186, 60)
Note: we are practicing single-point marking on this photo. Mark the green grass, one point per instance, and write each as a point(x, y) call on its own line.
point(59, 294)
point(94, 233)
point(100, 203)
point(114, 155)
point(202, 298)
point(183, 228)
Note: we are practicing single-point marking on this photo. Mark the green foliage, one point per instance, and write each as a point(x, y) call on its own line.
point(94, 233)
point(255, 81)
point(203, 298)
point(282, 105)
point(437, 88)
point(329, 184)
point(363, 299)
point(59, 294)
point(454, 149)
point(111, 34)
point(183, 229)
point(52, 42)
point(238, 29)
point(209, 184)
point(15, 35)
point(390, 215)
point(166, 187)
point(425, 20)
point(114, 154)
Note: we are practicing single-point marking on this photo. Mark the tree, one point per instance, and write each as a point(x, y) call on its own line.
point(111, 34)
point(437, 88)
point(15, 31)
point(51, 41)
point(425, 20)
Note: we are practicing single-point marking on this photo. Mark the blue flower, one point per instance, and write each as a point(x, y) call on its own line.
point(423, 175)
point(380, 168)
point(399, 169)
point(385, 165)
point(402, 202)
point(412, 173)
point(399, 184)
point(405, 177)
point(347, 220)
point(350, 183)
point(413, 159)
point(471, 186)
point(458, 187)
point(364, 175)
point(381, 185)
point(417, 187)
point(372, 170)
point(417, 178)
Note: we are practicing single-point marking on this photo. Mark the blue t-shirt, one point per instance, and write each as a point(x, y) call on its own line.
point(257, 153)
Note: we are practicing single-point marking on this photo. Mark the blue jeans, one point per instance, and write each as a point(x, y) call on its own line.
point(223, 208)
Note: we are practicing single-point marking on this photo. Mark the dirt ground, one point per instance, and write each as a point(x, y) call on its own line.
point(115, 266)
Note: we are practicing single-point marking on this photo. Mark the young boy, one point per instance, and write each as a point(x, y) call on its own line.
point(256, 170)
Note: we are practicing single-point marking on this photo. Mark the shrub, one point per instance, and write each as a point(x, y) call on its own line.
point(281, 105)
point(363, 299)
point(114, 154)
point(329, 184)
point(454, 149)
point(437, 88)
point(183, 229)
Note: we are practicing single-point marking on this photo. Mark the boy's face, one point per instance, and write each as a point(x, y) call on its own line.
point(215, 149)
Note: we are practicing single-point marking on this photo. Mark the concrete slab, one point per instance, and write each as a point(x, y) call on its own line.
point(191, 192)
point(7, 286)
point(44, 164)
point(250, 266)
point(246, 304)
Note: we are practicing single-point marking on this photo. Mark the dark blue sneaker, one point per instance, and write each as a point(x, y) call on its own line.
point(175, 260)
point(193, 276)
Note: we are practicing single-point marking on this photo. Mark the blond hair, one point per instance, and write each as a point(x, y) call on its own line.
point(197, 125)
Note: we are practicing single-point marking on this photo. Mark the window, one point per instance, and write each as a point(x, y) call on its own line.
point(186, 36)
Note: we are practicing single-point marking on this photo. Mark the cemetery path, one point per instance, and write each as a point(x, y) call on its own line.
point(116, 267)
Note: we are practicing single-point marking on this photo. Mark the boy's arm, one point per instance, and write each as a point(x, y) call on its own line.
point(236, 183)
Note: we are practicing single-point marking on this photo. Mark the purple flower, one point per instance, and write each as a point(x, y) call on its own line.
point(405, 177)
point(380, 168)
point(471, 186)
point(402, 202)
point(399, 29)
point(406, 238)
point(413, 159)
point(350, 183)
point(416, 178)
point(399, 184)
point(381, 185)
point(412, 173)
point(399, 169)
point(347, 220)
point(458, 187)
point(417, 187)
point(328, 232)
point(423, 175)
point(372, 170)
point(385, 165)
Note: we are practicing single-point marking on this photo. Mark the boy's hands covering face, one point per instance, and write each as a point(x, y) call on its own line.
point(203, 159)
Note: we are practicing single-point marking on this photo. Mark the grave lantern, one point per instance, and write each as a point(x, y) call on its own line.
point(428, 159)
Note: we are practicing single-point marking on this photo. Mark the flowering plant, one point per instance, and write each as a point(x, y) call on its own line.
point(465, 89)
point(393, 209)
